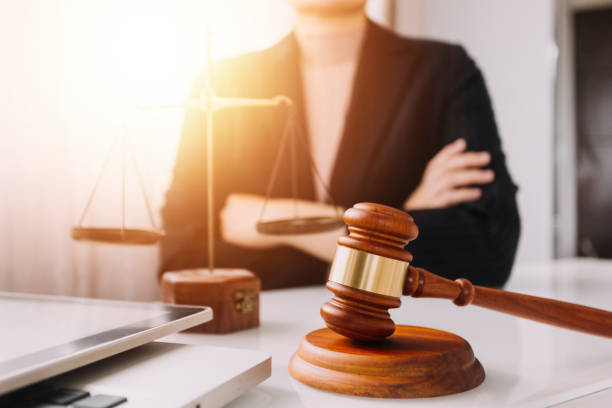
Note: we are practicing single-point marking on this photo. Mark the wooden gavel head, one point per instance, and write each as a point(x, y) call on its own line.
point(368, 272)
point(371, 271)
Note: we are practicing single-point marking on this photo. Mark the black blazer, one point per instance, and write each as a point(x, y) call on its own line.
point(410, 98)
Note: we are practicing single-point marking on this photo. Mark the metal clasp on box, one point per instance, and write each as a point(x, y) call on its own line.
point(244, 301)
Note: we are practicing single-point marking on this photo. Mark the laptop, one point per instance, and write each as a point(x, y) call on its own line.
point(88, 353)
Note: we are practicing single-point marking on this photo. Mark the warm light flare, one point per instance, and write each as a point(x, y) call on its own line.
point(141, 52)
point(153, 59)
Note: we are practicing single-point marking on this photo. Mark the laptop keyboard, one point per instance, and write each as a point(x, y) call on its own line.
point(62, 398)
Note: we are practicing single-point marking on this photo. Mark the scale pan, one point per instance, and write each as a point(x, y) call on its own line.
point(303, 225)
point(117, 236)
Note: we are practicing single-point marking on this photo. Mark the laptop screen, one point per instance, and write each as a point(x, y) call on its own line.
point(43, 336)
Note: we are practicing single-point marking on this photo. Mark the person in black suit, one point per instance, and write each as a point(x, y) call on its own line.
point(408, 123)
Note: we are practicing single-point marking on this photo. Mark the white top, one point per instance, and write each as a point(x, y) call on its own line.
point(527, 364)
point(328, 65)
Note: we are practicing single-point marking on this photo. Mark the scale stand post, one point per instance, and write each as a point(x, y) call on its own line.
point(233, 294)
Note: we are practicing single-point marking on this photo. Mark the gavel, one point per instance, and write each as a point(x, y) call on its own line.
point(371, 271)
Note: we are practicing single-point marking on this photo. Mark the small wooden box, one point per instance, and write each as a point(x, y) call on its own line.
point(233, 295)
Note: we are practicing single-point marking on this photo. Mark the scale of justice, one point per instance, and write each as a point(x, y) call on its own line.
point(361, 352)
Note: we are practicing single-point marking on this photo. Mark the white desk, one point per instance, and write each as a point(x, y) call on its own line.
point(527, 364)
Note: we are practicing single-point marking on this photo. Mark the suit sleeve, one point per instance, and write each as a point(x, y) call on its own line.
point(475, 240)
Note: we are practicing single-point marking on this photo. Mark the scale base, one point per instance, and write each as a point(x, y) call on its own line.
point(233, 295)
point(415, 362)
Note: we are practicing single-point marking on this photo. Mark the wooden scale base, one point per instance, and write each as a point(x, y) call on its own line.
point(414, 362)
point(233, 295)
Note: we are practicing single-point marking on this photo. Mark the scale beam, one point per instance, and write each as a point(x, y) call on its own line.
point(219, 103)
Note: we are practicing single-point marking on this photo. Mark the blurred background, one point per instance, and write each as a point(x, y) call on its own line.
point(72, 71)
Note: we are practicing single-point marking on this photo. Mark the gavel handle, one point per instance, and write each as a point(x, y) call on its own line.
point(422, 283)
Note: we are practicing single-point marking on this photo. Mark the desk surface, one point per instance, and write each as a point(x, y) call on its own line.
point(527, 364)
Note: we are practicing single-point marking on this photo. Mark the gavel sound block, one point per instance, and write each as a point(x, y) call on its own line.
point(363, 353)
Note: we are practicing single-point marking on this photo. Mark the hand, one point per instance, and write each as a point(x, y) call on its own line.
point(242, 211)
point(238, 219)
point(449, 178)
